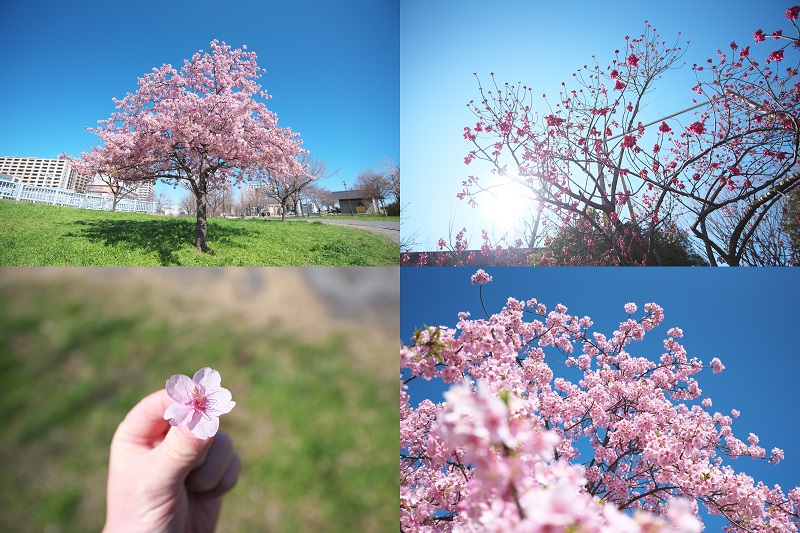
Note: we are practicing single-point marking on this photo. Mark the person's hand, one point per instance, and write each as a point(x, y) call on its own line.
point(163, 478)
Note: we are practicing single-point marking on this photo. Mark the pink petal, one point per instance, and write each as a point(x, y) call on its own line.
point(204, 427)
point(220, 408)
point(178, 414)
point(208, 378)
point(180, 388)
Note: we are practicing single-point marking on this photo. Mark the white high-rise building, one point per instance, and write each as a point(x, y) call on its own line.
point(44, 172)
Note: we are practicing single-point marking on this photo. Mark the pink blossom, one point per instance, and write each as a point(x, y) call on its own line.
point(199, 402)
point(664, 128)
point(632, 61)
point(619, 85)
point(791, 13)
point(630, 308)
point(777, 55)
point(480, 277)
point(628, 141)
point(759, 36)
point(698, 128)
point(717, 365)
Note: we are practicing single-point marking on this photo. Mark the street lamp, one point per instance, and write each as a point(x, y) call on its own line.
point(349, 205)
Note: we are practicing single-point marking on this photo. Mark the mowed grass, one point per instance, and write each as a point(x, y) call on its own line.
point(39, 235)
point(316, 429)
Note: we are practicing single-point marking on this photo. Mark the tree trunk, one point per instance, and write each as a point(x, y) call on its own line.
point(283, 211)
point(201, 229)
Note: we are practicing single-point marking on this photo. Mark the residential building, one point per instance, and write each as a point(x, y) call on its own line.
point(44, 172)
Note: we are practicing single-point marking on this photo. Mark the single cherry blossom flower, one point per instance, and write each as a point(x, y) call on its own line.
point(198, 402)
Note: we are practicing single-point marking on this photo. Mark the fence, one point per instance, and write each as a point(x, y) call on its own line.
point(26, 192)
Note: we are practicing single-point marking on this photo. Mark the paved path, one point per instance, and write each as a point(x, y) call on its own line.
point(387, 228)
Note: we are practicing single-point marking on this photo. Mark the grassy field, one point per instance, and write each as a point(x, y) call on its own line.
point(316, 420)
point(38, 235)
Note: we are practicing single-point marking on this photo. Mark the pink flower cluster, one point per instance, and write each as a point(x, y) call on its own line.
point(505, 450)
point(480, 277)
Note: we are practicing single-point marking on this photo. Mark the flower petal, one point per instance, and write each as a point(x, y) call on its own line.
point(204, 427)
point(208, 378)
point(178, 414)
point(180, 388)
point(220, 408)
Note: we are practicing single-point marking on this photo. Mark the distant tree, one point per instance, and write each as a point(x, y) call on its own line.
point(790, 225)
point(374, 185)
point(119, 188)
point(253, 200)
point(319, 196)
point(285, 188)
point(220, 202)
point(391, 172)
point(163, 202)
point(187, 204)
point(203, 127)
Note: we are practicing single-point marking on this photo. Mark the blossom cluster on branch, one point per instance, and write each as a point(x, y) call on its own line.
point(631, 446)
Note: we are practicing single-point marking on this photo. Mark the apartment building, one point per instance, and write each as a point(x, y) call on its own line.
point(43, 172)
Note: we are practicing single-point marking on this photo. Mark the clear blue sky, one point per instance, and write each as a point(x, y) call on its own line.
point(540, 44)
point(332, 69)
point(747, 317)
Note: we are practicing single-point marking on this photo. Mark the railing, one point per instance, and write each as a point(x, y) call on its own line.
point(25, 192)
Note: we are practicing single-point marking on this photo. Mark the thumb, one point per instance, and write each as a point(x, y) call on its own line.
point(180, 453)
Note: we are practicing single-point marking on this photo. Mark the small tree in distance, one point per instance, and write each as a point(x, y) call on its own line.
point(374, 185)
point(287, 188)
point(201, 126)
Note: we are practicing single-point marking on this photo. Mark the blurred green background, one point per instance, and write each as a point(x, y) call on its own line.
point(309, 355)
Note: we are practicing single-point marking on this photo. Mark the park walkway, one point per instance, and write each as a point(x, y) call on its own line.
point(387, 228)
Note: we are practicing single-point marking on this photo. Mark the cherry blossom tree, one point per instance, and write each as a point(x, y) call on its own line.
point(595, 152)
point(632, 446)
point(202, 126)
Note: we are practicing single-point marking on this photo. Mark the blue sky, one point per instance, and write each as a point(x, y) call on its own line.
point(540, 44)
point(746, 317)
point(332, 69)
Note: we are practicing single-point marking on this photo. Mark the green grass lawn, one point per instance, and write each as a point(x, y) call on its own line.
point(316, 420)
point(37, 235)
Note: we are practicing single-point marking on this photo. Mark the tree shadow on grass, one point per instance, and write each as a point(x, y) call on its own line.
point(164, 237)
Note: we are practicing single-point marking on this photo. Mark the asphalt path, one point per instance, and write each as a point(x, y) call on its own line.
point(387, 228)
